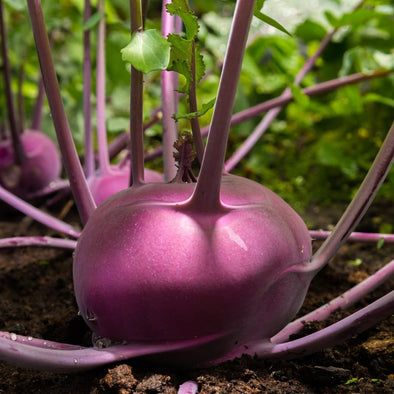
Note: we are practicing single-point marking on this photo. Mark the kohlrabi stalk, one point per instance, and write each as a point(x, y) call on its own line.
point(206, 196)
point(104, 165)
point(344, 301)
point(19, 95)
point(41, 354)
point(83, 198)
point(49, 242)
point(36, 121)
point(321, 235)
point(37, 214)
point(37, 110)
point(89, 165)
point(169, 102)
point(15, 128)
point(346, 328)
point(136, 106)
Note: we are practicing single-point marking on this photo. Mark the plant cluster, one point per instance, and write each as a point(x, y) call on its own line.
point(198, 263)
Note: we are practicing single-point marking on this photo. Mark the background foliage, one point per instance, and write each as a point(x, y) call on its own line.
point(317, 151)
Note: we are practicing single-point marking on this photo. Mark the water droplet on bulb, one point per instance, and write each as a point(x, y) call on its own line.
point(29, 338)
point(13, 336)
point(75, 361)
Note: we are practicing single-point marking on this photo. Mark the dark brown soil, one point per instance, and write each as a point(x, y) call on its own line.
point(37, 299)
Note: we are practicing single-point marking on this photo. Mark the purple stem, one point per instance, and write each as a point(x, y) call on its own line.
point(332, 335)
point(20, 101)
point(89, 165)
point(79, 187)
point(54, 186)
point(206, 196)
point(321, 235)
point(359, 205)
point(40, 354)
point(20, 155)
point(101, 129)
point(273, 113)
point(136, 106)
point(168, 98)
point(49, 242)
point(36, 214)
point(344, 301)
point(37, 110)
point(346, 328)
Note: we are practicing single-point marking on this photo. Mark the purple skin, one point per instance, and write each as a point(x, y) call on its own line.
point(246, 247)
point(117, 179)
point(41, 167)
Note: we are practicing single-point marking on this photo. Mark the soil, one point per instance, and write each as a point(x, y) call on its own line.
point(37, 299)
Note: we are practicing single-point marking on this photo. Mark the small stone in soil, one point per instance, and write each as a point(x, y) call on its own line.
point(324, 375)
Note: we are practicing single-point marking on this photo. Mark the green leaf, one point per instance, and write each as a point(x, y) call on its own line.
point(380, 243)
point(355, 263)
point(180, 56)
point(352, 381)
point(147, 51)
point(357, 17)
point(334, 154)
point(387, 228)
point(332, 19)
point(117, 124)
point(181, 8)
point(258, 5)
point(310, 30)
point(191, 115)
point(180, 60)
point(385, 60)
point(272, 22)
point(182, 47)
point(377, 98)
point(200, 65)
point(93, 20)
point(17, 5)
point(299, 96)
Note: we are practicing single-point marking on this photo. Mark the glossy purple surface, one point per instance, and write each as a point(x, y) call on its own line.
point(149, 269)
point(116, 180)
point(41, 167)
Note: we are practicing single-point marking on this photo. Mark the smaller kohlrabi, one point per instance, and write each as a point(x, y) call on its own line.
point(29, 160)
point(39, 165)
